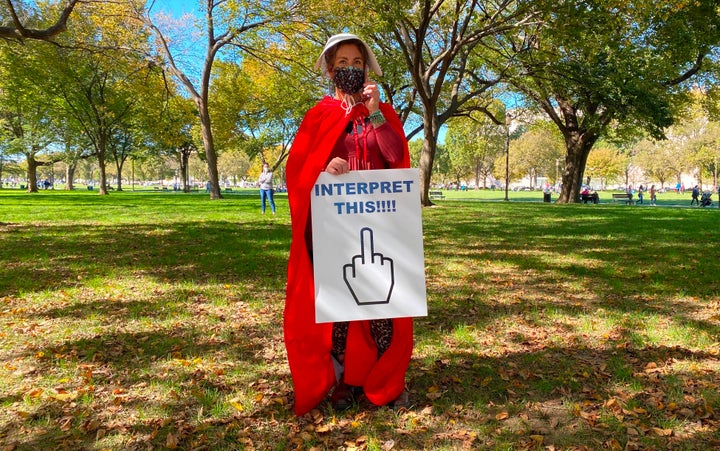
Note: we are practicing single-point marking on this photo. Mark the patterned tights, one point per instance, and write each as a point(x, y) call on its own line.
point(381, 331)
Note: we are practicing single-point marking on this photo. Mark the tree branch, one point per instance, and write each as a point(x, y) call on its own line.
point(692, 71)
point(18, 31)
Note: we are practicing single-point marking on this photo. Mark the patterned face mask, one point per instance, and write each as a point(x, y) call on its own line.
point(349, 79)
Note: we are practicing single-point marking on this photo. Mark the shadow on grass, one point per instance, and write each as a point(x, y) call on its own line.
point(38, 258)
point(507, 271)
point(570, 259)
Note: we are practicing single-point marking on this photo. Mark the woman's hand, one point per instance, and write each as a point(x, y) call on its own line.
point(371, 96)
point(338, 166)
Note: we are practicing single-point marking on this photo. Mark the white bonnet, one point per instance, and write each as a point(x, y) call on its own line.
point(337, 39)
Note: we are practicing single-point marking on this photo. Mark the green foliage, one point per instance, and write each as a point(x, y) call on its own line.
point(473, 144)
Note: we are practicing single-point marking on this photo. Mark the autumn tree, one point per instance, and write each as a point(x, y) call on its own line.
point(169, 129)
point(102, 82)
point(597, 64)
point(26, 109)
point(445, 49)
point(536, 151)
point(473, 143)
point(605, 163)
point(23, 20)
point(224, 24)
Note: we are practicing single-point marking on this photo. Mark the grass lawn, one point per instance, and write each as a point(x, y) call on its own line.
point(153, 320)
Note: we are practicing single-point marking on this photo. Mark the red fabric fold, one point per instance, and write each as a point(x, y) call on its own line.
point(308, 343)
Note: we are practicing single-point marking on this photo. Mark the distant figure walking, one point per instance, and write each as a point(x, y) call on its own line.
point(266, 188)
point(641, 191)
point(695, 195)
point(653, 195)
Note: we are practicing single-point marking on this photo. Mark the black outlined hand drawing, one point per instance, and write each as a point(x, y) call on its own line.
point(370, 277)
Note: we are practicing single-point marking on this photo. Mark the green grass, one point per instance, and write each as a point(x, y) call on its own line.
point(154, 320)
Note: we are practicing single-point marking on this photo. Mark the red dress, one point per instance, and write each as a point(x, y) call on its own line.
point(309, 343)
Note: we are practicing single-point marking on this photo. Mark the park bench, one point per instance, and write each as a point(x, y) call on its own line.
point(436, 195)
point(587, 198)
point(622, 197)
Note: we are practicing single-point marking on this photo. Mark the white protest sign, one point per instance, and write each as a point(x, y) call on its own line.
point(367, 246)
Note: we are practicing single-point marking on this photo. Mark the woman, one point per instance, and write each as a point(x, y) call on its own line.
point(266, 188)
point(653, 195)
point(352, 130)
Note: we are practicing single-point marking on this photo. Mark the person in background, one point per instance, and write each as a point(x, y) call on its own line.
point(629, 192)
point(266, 188)
point(653, 195)
point(695, 195)
point(349, 130)
point(640, 193)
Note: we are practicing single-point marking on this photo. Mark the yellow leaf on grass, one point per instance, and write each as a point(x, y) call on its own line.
point(433, 392)
point(502, 416)
point(237, 406)
point(323, 428)
point(35, 392)
point(663, 432)
point(65, 396)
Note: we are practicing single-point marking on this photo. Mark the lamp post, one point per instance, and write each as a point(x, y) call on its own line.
point(508, 119)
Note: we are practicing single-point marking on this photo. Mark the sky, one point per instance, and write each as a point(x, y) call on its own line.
point(176, 7)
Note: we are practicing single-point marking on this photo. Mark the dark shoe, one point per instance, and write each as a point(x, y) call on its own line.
point(342, 397)
point(401, 402)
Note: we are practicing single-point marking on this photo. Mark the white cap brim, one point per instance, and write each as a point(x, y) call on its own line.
point(337, 39)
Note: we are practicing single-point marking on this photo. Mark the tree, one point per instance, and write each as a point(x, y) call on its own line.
point(600, 63)
point(700, 135)
point(225, 23)
point(261, 103)
point(102, 91)
point(21, 17)
point(536, 152)
point(473, 144)
point(604, 163)
point(446, 48)
point(24, 108)
point(233, 165)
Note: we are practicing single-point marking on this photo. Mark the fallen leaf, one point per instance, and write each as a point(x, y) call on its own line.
point(171, 442)
point(662, 432)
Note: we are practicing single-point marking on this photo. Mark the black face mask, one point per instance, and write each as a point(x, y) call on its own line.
point(349, 79)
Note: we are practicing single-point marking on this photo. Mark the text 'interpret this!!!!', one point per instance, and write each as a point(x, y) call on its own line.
point(368, 255)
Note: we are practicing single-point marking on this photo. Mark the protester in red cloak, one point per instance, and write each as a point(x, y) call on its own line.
point(351, 131)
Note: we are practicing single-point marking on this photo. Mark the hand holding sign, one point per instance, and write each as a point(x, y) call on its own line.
point(370, 276)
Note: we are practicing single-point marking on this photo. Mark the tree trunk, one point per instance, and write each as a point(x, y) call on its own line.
point(69, 176)
point(119, 166)
point(209, 147)
point(427, 156)
point(184, 169)
point(102, 190)
point(31, 173)
point(578, 148)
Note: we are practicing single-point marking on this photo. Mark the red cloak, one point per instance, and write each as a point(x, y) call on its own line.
point(308, 343)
